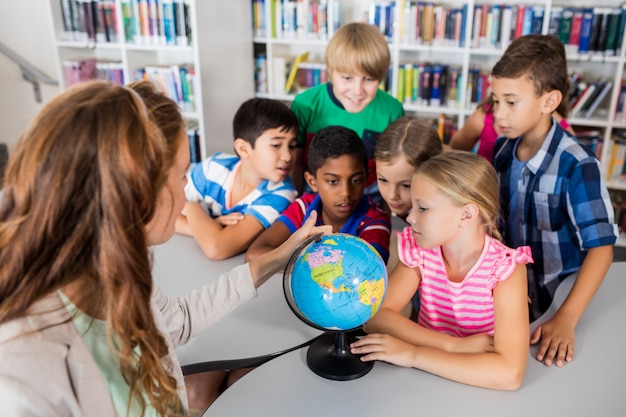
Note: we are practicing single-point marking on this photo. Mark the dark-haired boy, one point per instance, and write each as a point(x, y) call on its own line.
point(231, 199)
point(552, 194)
point(337, 170)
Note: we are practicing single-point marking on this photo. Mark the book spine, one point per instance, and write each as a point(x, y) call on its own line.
point(519, 21)
point(169, 22)
point(527, 21)
point(574, 34)
point(610, 46)
point(180, 19)
point(583, 99)
point(598, 99)
point(565, 25)
point(555, 21)
point(495, 30)
point(538, 13)
point(585, 32)
point(66, 11)
point(505, 27)
point(478, 17)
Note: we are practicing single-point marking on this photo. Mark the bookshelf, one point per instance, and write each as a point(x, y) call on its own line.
point(120, 48)
point(468, 48)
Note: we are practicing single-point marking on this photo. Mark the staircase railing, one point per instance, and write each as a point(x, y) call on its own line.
point(29, 72)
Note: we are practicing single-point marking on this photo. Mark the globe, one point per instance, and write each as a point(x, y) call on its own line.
point(335, 283)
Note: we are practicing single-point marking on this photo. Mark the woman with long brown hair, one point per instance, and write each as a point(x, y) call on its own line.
point(95, 180)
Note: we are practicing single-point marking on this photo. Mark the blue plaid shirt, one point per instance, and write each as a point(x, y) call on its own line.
point(565, 209)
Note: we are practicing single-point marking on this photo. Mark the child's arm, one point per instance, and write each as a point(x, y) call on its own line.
point(467, 136)
point(503, 368)
point(557, 334)
point(270, 239)
point(403, 282)
point(219, 242)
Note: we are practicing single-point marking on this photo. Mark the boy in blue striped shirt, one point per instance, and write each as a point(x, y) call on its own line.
point(231, 199)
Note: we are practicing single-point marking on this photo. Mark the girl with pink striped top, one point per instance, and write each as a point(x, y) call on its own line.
point(472, 325)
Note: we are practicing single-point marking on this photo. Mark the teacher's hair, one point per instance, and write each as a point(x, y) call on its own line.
point(80, 188)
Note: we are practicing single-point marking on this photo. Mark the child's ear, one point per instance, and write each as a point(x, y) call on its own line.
point(470, 213)
point(242, 147)
point(310, 180)
point(552, 100)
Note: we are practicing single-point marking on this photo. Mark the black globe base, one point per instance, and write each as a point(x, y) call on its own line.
point(329, 357)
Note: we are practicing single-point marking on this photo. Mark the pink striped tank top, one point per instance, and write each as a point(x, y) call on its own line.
point(459, 308)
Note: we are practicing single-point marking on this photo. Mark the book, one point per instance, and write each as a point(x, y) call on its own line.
point(555, 21)
point(574, 34)
point(527, 21)
point(279, 74)
point(603, 29)
point(612, 27)
point(598, 99)
point(596, 23)
point(618, 157)
point(585, 32)
point(505, 26)
point(67, 12)
point(294, 70)
point(478, 17)
point(495, 29)
point(180, 17)
point(169, 22)
point(519, 21)
point(565, 25)
point(425, 84)
point(622, 28)
point(578, 105)
point(537, 24)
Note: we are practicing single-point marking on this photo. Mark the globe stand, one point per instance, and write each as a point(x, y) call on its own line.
point(329, 356)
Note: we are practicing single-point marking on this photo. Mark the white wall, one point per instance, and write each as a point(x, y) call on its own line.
point(25, 28)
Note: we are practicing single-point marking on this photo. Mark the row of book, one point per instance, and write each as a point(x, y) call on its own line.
point(149, 22)
point(296, 19)
point(589, 30)
point(193, 133)
point(89, 20)
point(586, 96)
point(617, 167)
point(177, 81)
point(76, 71)
point(156, 22)
point(495, 26)
point(421, 23)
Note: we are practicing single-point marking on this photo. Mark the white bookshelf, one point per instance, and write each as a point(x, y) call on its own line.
point(593, 65)
point(220, 51)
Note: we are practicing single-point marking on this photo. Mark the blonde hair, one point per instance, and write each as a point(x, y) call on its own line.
point(415, 139)
point(358, 47)
point(467, 178)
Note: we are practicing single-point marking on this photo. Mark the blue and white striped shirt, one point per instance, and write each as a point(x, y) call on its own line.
point(210, 183)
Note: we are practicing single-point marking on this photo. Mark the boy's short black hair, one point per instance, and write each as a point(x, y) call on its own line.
point(333, 142)
point(257, 115)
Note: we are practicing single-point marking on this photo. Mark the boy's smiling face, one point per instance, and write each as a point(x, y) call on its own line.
point(339, 183)
point(353, 89)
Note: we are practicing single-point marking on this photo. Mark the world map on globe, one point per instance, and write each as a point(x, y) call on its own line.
point(336, 283)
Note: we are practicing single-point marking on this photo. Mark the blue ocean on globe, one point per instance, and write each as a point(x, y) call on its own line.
point(336, 283)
